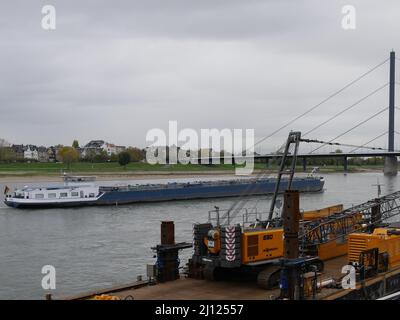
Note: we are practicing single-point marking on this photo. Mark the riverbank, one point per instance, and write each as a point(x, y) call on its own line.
point(113, 171)
point(26, 168)
point(138, 171)
point(104, 176)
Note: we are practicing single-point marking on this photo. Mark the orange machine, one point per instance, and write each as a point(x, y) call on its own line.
point(322, 213)
point(213, 241)
point(333, 234)
point(260, 244)
point(265, 244)
point(259, 248)
point(386, 241)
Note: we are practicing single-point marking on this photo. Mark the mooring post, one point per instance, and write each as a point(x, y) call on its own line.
point(391, 161)
point(290, 286)
point(291, 217)
point(167, 233)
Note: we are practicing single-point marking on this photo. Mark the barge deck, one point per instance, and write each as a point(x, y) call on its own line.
point(193, 289)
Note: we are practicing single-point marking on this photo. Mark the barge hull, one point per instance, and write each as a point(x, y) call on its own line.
point(172, 192)
point(206, 191)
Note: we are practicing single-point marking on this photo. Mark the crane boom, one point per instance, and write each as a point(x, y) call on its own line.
point(293, 138)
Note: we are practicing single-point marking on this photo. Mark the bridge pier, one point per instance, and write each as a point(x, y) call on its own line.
point(266, 163)
point(304, 164)
point(345, 164)
point(390, 167)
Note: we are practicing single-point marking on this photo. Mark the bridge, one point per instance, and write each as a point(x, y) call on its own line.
point(344, 156)
point(389, 153)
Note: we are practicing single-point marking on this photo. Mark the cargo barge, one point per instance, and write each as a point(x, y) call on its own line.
point(82, 191)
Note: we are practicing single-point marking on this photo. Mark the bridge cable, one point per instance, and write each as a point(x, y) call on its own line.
point(238, 204)
point(351, 129)
point(322, 102)
point(346, 145)
point(346, 109)
point(363, 145)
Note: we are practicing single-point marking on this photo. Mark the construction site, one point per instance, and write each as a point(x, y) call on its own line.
point(332, 253)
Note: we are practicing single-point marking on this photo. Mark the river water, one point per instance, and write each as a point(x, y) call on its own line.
point(96, 247)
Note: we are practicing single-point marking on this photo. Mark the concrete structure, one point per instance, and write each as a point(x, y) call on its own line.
point(52, 154)
point(95, 147)
point(31, 153)
point(391, 162)
point(43, 156)
point(109, 148)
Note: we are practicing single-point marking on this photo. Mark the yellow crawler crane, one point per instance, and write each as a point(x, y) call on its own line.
point(327, 238)
point(259, 244)
point(257, 248)
point(222, 248)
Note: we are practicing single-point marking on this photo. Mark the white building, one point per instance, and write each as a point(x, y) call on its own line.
point(31, 153)
point(110, 148)
point(96, 146)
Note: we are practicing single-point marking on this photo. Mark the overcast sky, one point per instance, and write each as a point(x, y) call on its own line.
point(113, 70)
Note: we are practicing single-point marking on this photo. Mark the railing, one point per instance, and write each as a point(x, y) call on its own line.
point(220, 217)
point(356, 218)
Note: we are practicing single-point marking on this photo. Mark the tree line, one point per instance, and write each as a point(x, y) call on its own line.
point(73, 153)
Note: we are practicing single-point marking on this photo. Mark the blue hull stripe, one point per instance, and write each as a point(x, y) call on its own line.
point(199, 191)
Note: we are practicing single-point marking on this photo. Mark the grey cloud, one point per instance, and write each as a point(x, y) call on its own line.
point(115, 69)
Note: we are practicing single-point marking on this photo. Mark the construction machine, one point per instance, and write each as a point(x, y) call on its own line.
point(256, 248)
point(374, 252)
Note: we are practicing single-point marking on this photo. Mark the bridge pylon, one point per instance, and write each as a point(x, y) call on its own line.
point(391, 161)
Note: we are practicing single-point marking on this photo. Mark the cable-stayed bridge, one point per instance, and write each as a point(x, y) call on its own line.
point(363, 149)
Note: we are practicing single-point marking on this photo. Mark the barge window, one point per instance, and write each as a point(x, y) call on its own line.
point(63, 194)
point(74, 194)
point(91, 195)
point(52, 195)
point(39, 196)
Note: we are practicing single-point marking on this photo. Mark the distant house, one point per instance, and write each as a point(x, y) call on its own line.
point(43, 155)
point(93, 147)
point(110, 148)
point(31, 153)
point(52, 154)
point(97, 146)
point(19, 151)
